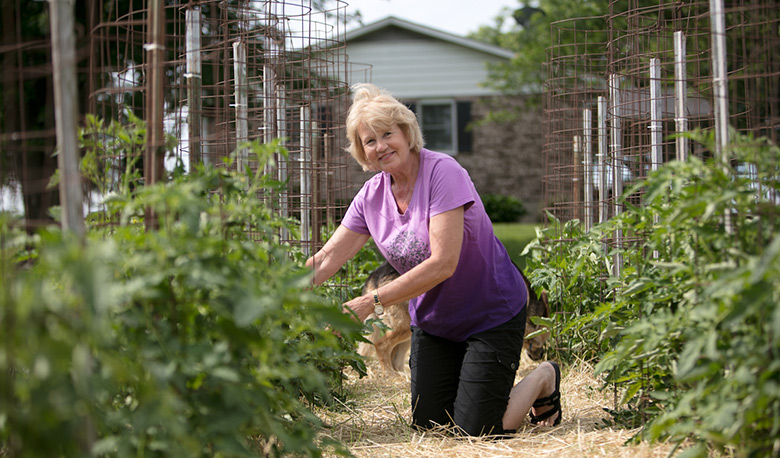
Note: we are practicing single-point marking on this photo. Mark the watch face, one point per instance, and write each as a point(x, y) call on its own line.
point(378, 309)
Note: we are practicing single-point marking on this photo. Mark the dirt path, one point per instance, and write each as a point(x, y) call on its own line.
point(375, 424)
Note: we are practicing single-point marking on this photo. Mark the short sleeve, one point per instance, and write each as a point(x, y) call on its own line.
point(355, 216)
point(451, 187)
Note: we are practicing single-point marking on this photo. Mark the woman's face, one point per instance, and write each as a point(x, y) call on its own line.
point(386, 150)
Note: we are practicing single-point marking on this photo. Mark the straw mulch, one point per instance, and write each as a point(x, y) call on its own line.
point(375, 423)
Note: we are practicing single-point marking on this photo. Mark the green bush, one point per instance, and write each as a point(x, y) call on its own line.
point(200, 338)
point(503, 209)
point(690, 328)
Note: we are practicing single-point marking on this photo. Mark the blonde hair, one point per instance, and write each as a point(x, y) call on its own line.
point(378, 111)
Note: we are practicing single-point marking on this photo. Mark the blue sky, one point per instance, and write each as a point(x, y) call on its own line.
point(455, 16)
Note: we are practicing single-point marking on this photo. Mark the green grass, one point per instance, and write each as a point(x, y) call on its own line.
point(515, 236)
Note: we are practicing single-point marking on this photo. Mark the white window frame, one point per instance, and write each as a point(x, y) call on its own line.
point(453, 120)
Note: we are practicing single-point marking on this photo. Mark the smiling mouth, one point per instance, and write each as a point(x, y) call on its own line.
point(386, 155)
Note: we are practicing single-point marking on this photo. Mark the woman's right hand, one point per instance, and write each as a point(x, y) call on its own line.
point(362, 306)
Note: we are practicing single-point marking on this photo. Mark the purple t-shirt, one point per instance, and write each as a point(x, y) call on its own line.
point(486, 289)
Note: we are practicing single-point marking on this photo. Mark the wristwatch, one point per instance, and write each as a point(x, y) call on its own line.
point(378, 308)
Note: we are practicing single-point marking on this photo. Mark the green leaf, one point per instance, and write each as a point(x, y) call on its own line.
point(226, 373)
point(630, 392)
point(688, 359)
point(539, 332)
point(250, 308)
point(696, 451)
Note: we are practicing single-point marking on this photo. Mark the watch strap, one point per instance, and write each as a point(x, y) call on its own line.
point(378, 307)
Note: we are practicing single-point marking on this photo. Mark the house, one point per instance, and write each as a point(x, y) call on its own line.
point(441, 77)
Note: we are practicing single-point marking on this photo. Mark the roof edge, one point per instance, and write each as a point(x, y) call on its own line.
point(431, 32)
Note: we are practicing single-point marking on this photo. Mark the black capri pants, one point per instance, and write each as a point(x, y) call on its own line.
point(466, 384)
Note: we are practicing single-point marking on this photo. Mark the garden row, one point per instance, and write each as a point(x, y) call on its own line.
point(688, 328)
point(192, 339)
point(203, 336)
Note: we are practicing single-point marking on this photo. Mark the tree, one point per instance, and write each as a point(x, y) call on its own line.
point(529, 36)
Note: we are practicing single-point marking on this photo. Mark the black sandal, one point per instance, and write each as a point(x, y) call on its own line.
point(552, 400)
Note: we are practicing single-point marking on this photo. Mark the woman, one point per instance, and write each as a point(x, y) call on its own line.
point(466, 298)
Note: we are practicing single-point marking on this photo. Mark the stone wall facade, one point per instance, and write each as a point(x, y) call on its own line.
point(508, 155)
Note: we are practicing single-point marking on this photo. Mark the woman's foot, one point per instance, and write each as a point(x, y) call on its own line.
point(547, 409)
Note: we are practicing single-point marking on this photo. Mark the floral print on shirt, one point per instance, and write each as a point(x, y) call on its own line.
point(407, 250)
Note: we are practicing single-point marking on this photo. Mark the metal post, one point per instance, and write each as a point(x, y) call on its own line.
point(720, 89)
point(587, 152)
point(680, 95)
point(281, 161)
point(719, 78)
point(281, 122)
point(656, 113)
point(269, 80)
point(269, 107)
point(316, 199)
point(66, 113)
point(602, 158)
point(306, 170)
point(241, 100)
point(327, 147)
point(194, 93)
point(656, 125)
point(575, 179)
point(616, 147)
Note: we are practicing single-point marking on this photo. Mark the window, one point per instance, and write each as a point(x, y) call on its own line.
point(444, 124)
point(437, 120)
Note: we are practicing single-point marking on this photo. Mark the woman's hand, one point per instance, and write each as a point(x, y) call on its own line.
point(362, 306)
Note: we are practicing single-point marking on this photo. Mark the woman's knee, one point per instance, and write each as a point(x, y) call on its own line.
point(423, 421)
point(476, 428)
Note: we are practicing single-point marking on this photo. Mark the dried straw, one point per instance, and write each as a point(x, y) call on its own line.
point(376, 424)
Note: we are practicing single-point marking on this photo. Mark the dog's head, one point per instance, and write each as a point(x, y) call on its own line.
point(534, 347)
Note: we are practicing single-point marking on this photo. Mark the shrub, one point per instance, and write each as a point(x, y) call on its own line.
point(503, 209)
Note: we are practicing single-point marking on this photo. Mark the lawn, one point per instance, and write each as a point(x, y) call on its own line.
point(515, 236)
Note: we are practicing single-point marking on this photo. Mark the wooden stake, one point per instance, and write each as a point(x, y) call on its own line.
point(154, 155)
point(66, 113)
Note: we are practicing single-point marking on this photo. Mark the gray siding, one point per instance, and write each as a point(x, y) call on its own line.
point(414, 68)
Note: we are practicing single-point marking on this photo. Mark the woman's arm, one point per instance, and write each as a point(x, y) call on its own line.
point(341, 247)
point(446, 237)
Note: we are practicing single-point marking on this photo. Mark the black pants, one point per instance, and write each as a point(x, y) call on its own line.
point(465, 383)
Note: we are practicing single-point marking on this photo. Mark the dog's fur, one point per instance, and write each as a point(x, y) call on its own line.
point(391, 347)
